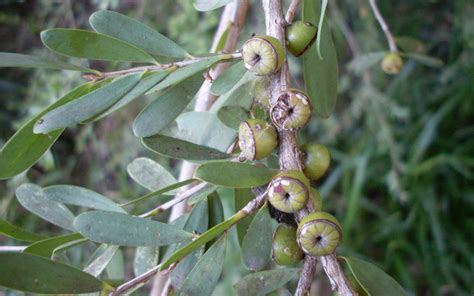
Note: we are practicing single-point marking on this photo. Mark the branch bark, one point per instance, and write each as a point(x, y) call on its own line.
point(391, 41)
point(289, 157)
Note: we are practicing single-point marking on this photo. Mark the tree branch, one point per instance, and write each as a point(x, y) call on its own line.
point(290, 13)
point(141, 279)
point(391, 41)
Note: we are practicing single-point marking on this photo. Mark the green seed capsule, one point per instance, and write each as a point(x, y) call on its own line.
point(289, 191)
point(316, 160)
point(262, 55)
point(300, 36)
point(291, 111)
point(392, 63)
point(285, 249)
point(319, 234)
point(257, 139)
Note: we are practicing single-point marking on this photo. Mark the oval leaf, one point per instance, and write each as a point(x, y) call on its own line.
point(91, 45)
point(264, 282)
point(373, 279)
point(124, 230)
point(30, 273)
point(9, 59)
point(79, 196)
point(257, 243)
point(228, 79)
point(145, 259)
point(179, 149)
point(320, 75)
point(232, 116)
point(242, 197)
point(87, 106)
point(25, 147)
point(47, 246)
point(424, 59)
point(18, 233)
point(162, 111)
point(150, 174)
point(234, 174)
point(206, 5)
point(103, 256)
point(32, 198)
point(203, 278)
point(129, 30)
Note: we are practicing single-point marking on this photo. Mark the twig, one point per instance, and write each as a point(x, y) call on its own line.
point(290, 13)
point(141, 279)
point(12, 248)
point(180, 64)
point(391, 41)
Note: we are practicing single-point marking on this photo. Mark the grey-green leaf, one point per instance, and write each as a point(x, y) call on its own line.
point(102, 258)
point(140, 35)
point(163, 110)
point(79, 196)
point(257, 243)
point(125, 230)
point(242, 197)
point(150, 174)
point(86, 107)
point(228, 79)
point(204, 276)
point(35, 274)
point(424, 59)
point(373, 279)
point(234, 174)
point(32, 198)
point(91, 45)
point(202, 194)
point(232, 116)
point(206, 5)
point(320, 75)
point(145, 259)
point(18, 233)
point(25, 147)
point(179, 149)
point(47, 247)
point(264, 282)
point(17, 60)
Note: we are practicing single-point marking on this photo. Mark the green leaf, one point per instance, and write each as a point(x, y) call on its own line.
point(140, 35)
point(163, 110)
point(203, 278)
point(410, 44)
point(47, 247)
point(32, 198)
point(202, 194)
point(35, 274)
point(242, 197)
point(363, 62)
point(264, 282)
point(159, 192)
point(424, 59)
point(182, 73)
point(228, 79)
point(147, 81)
point(103, 256)
point(150, 174)
point(241, 94)
point(206, 5)
point(145, 259)
point(179, 149)
point(87, 106)
point(25, 147)
point(324, 4)
point(257, 243)
point(124, 230)
point(79, 196)
point(91, 45)
point(373, 279)
point(232, 116)
point(234, 174)
point(9, 59)
point(18, 233)
point(320, 75)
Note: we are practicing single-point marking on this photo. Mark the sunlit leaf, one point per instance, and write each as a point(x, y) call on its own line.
point(257, 243)
point(9, 59)
point(124, 230)
point(150, 174)
point(140, 35)
point(264, 282)
point(35, 274)
point(86, 107)
point(91, 45)
point(234, 174)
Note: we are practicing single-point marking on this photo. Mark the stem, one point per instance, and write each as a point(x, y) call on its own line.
point(290, 13)
point(391, 41)
point(12, 248)
point(141, 279)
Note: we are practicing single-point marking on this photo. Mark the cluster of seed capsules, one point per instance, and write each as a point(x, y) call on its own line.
point(319, 233)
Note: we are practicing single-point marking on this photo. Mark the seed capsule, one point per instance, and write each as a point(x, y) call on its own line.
point(291, 111)
point(300, 36)
point(257, 139)
point(262, 55)
point(392, 63)
point(285, 249)
point(319, 234)
point(289, 191)
point(316, 199)
point(316, 160)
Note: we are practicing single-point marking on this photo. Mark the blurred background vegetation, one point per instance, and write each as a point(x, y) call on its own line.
point(402, 174)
